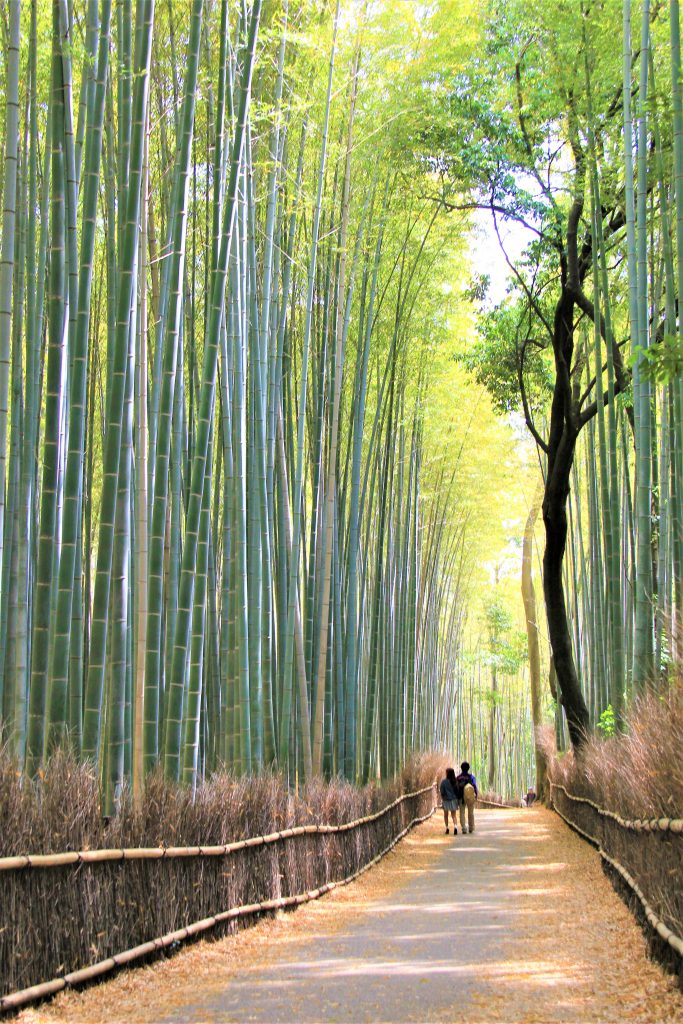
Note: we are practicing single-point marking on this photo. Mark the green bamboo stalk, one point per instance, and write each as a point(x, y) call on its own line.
point(118, 728)
point(71, 188)
point(176, 684)
point(642, 657)
point(355, 507)
point(115, 404)
point(141, 494)
point(298, 480)
point(677, 103)
point(8, 241)
point(331, 484)
point(373, 667)
point(305, 727)
point(35, 280)
point(169, 342)
point(9, 608)
point(88, 81)
point(73, 495)
point(242, 721)
point(56, 355)
point(192, 711)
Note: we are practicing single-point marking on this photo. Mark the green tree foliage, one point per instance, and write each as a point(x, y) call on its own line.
point(538, 131)
point(507, 647)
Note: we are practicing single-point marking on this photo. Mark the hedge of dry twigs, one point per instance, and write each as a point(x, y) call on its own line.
point(637, 778)
point(489, 798)
point(57, 920)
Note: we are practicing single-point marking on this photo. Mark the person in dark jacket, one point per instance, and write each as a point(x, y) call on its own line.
point(449, 799)
point(466, 793)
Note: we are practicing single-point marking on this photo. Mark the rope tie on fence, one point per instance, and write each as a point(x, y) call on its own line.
point(84, 974)
point(653, 919)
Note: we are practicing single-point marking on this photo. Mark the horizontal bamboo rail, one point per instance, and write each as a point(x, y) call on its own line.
point(56, 860)
point(48, 988)
point(674, 825)
point(653, 919)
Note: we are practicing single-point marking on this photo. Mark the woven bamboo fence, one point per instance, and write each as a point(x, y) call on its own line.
point(90, 911)
point(644, 858)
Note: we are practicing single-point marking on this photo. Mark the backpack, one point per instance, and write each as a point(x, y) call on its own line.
point(462, 780)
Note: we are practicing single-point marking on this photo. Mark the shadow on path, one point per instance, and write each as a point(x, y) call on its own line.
point(478, 937)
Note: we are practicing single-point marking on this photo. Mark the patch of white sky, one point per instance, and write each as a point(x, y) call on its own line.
point(490, 254)
point(487, 258)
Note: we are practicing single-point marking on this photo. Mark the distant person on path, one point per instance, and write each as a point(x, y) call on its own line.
point(449, 799)
point(531, 796)
point(466, 793)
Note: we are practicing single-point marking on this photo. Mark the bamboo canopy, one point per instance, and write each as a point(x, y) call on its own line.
point(219, 561)
point(242, 323)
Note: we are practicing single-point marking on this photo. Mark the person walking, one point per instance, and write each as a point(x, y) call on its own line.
point(449, 798)
point(466, 792)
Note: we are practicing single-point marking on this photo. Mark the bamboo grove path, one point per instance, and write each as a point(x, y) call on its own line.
point(515, 923)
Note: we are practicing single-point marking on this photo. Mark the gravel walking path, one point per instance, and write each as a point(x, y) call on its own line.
point(515, 923)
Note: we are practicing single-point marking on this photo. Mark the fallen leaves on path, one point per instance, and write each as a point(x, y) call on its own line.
point(569, 937)
point(145, 994)
point(575, 936)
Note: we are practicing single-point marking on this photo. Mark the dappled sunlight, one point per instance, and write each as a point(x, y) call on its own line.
point(539, 866)
point(544, 973)
point(536, 893)
point(462, 929)
point(542, 837)
point(326, 969)
point(463, 851)
point(454, 903)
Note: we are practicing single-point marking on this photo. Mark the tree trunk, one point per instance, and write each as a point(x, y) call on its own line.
point(529, 599)
point(555, 521)
point(493, 739)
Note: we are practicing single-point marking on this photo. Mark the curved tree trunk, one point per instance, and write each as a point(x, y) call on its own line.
point(529, 600)
point(555, 521)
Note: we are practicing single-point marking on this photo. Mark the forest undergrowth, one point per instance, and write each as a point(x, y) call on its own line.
point(638, 775)
point(638, 772)
point(62, 810)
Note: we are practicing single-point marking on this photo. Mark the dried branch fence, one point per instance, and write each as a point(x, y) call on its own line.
point(644, 858)
point(498, 804)
point(74, 915)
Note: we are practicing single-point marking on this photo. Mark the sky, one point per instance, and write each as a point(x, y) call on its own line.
point(486, 256)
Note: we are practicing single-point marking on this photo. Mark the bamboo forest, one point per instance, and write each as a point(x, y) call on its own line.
point(341, 412)
point(341, 510)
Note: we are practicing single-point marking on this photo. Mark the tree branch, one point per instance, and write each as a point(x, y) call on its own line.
point(525, 402)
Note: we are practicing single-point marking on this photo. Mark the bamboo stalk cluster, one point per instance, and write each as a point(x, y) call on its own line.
point(210, 434)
